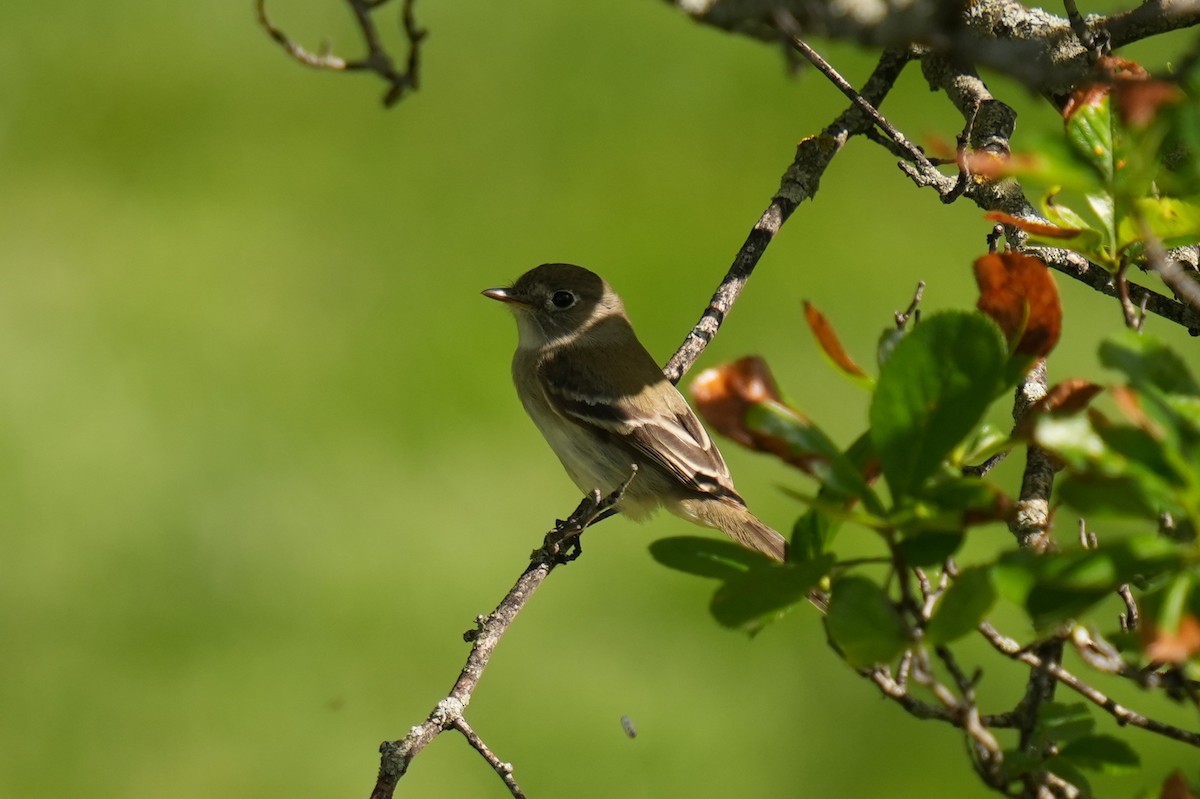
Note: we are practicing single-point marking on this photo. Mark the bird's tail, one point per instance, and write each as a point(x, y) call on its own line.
point(736, 521)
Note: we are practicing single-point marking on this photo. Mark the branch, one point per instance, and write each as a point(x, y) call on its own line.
point(377, 60)
point(560, 546)
point(1122, 714)
point(1031, 520)
point(800, 182)
point(1074, 265)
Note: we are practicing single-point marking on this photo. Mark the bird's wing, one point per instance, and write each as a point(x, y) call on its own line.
point(645, 414)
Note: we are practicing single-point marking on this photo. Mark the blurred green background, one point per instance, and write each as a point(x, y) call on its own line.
point(260, 459)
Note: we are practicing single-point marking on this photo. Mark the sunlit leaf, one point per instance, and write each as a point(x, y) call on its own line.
point(931, 392)
point(1082, 239)
point(1146, 360)
point(793, 437)
point(1172, 221)
point(724, 393)
point(1018, 292)
point(1089, 128)
point(831, 345)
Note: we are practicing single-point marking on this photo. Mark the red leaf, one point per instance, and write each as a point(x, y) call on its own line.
point(1069, 396)
point(1018, 292)
point(725, 393)
point(828, 339)
point(1176, 787)
point(1166, 646)
point(1136, 96)
point(1043, 229)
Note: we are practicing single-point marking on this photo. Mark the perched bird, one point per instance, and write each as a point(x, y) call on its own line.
point(603, 405)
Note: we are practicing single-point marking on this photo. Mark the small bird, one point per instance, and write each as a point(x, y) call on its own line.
point(603, 405)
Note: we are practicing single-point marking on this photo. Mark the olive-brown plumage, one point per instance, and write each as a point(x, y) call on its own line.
point(602, 403)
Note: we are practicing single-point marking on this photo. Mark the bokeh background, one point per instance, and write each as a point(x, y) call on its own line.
point(260, 460)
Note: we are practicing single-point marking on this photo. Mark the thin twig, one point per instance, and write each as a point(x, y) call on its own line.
point(377, 59)
point(396, 756)
point(799, 182)
point(1122, 714)
point(789, 27)
point(505, 770)
point(911, 311)
point(1075, 265)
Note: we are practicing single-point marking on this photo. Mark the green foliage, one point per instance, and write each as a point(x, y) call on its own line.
point(863, 623)
point(935, 385)
point(966, 603)
point(932, 392)
point(1113, 156)
point(1146, 463)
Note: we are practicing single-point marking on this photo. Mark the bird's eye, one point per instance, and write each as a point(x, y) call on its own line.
point(562, 299)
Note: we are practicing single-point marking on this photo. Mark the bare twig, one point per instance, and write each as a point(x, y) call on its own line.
point(1122, 714)
point(799, 183)
point(377, 59)
point(1075, 265)
point(788, 26)
point(396, 756)
point(505, 770)
point(1172, 272)
point(911, 311)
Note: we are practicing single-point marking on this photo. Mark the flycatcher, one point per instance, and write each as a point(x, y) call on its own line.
point(603, 405)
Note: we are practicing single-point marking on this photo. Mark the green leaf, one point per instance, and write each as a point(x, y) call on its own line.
point(1097, 495)
point(1069, 773)
point(930, 547)
point(932, 391)
point(1165, 606)
point(706, 557)
point(1147, 361)
point(960, 501)
point(1061, 722)
point(887, 343)
point(751, 600)
point(1172, 221)
point(966, 602)
point(1058, 586)
point(1062, 215)
point(863, 622)
point(830, 466)
point(1103, 753)
point(1104, 208)
point(810, 536)
point(1090, 132)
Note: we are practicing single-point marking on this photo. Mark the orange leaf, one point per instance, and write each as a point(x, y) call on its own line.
point(828, 339)
point(1137, 97)
point(725, 393)
point(1043, 229)
point(1138, 102)
point(1069, 396)
point(1176, 787)
point(1176, 646)
point(1018, 292)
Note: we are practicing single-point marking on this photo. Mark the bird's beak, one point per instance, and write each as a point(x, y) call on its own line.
point(504, 295)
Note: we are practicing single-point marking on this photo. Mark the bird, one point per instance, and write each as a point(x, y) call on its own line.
point(603, 405)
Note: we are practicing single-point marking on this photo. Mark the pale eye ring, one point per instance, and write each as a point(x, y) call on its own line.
point(562, 299)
